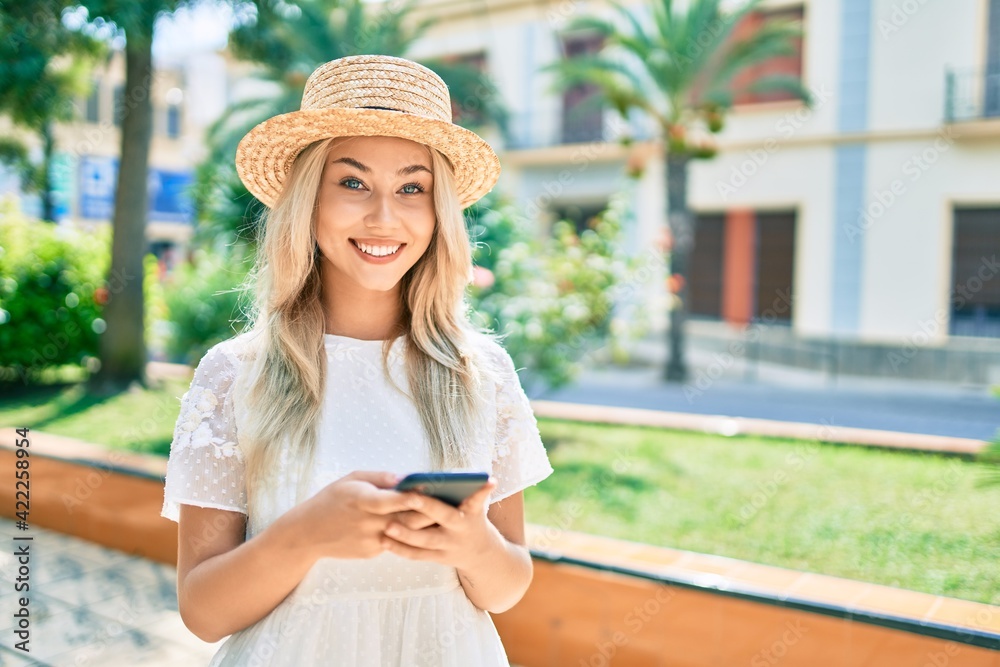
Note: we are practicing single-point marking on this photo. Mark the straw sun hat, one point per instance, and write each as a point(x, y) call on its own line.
point(363, 96)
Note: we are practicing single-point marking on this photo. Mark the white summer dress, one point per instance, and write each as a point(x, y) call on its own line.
point(379, 612)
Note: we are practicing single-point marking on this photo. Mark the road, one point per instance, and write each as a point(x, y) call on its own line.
point(904, 407)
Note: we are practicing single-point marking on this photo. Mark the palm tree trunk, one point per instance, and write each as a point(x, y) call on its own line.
point(682, 230)
point(48, 148)
point(123, 347)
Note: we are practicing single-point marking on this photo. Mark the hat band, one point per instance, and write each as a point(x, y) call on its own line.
point(383, 109)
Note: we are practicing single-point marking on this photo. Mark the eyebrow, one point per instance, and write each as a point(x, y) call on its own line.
point(405, 171)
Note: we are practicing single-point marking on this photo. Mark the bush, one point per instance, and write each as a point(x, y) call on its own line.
point(553, 298)
point(50, 282)
point(202, 301)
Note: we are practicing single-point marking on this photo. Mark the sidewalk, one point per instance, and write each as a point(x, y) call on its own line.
point(91, 605)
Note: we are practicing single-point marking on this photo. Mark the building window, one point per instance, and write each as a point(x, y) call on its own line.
point(775, 266)
point(582, 108)
point(975, 286)
point(173, 121)
point(742, 266)
point(583, 215)
point(790, 65)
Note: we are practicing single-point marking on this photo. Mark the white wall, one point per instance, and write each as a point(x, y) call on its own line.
point(910, 53)
point(908, 248)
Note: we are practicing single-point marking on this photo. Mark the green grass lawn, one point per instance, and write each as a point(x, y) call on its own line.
point(912, 520)
point(918, 521)
point(138, 420)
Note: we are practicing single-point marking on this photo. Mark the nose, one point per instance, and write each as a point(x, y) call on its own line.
point(383, 211)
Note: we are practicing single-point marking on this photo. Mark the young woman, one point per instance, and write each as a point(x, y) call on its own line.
point(360, 365)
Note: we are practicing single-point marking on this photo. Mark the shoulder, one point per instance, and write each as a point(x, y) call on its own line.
point(491, 354)
point(233, 351)
point(223, 361)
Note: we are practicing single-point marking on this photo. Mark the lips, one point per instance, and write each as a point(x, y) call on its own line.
point(377, 259)
point(379, 245)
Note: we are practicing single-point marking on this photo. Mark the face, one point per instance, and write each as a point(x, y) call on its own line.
point(376, 216)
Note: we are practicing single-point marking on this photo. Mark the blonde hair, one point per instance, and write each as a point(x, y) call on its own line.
point(286, 368)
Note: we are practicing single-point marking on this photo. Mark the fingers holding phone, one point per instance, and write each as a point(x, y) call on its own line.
point(347, 518)
point(460, 531)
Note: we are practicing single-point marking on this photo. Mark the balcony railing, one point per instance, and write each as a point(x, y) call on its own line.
point(553, 125)
point(972, 94)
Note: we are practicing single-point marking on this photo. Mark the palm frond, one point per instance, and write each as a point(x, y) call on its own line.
point(594, 24)
point(640, 40)
point(707, 32)
point(773, 39)
point(619, 85)
point(989, 459)
point(778, 83)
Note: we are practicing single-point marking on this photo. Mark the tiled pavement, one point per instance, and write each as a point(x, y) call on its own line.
point(90, 605)
point(94, 606)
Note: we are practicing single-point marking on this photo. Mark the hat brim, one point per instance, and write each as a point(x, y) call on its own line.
point(265, 155)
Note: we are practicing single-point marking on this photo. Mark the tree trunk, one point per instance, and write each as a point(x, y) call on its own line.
point(48, 148)
point(123, 347)
point(682, 230)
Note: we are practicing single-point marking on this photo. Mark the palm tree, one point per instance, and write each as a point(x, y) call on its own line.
point(681, 70)
point(288, 42)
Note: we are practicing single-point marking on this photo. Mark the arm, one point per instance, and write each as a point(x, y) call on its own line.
point(499, 578)
point(214, 564)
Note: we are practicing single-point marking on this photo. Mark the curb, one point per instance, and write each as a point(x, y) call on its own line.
point(732, 426)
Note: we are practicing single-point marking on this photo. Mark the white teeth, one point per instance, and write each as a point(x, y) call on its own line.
point(377, 251)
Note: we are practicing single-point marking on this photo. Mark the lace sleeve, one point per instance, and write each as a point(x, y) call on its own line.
point(206, 466)
point(519, 460)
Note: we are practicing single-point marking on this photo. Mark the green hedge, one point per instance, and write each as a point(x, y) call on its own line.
point(203, 302)
point(49, 276)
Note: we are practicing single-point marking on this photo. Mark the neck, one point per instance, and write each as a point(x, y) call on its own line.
point(356, 312)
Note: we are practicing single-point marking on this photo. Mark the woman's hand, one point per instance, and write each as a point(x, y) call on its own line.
point(460, 538)
point(347, 518)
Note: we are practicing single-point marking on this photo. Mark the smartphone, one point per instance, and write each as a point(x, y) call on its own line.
point(450, 487)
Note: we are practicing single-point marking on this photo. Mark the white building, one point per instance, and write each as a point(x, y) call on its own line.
point(87, 149)
point(868, 224)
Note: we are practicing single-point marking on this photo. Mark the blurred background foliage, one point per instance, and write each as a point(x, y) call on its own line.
point(53, 285)
point(50, 286)
point(552, 296)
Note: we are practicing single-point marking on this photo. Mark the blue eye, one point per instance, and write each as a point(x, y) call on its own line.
point(415, 185)
point(347, 180)
point(351, 179)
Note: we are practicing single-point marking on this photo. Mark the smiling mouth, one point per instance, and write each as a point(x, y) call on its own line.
point(377, 250)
